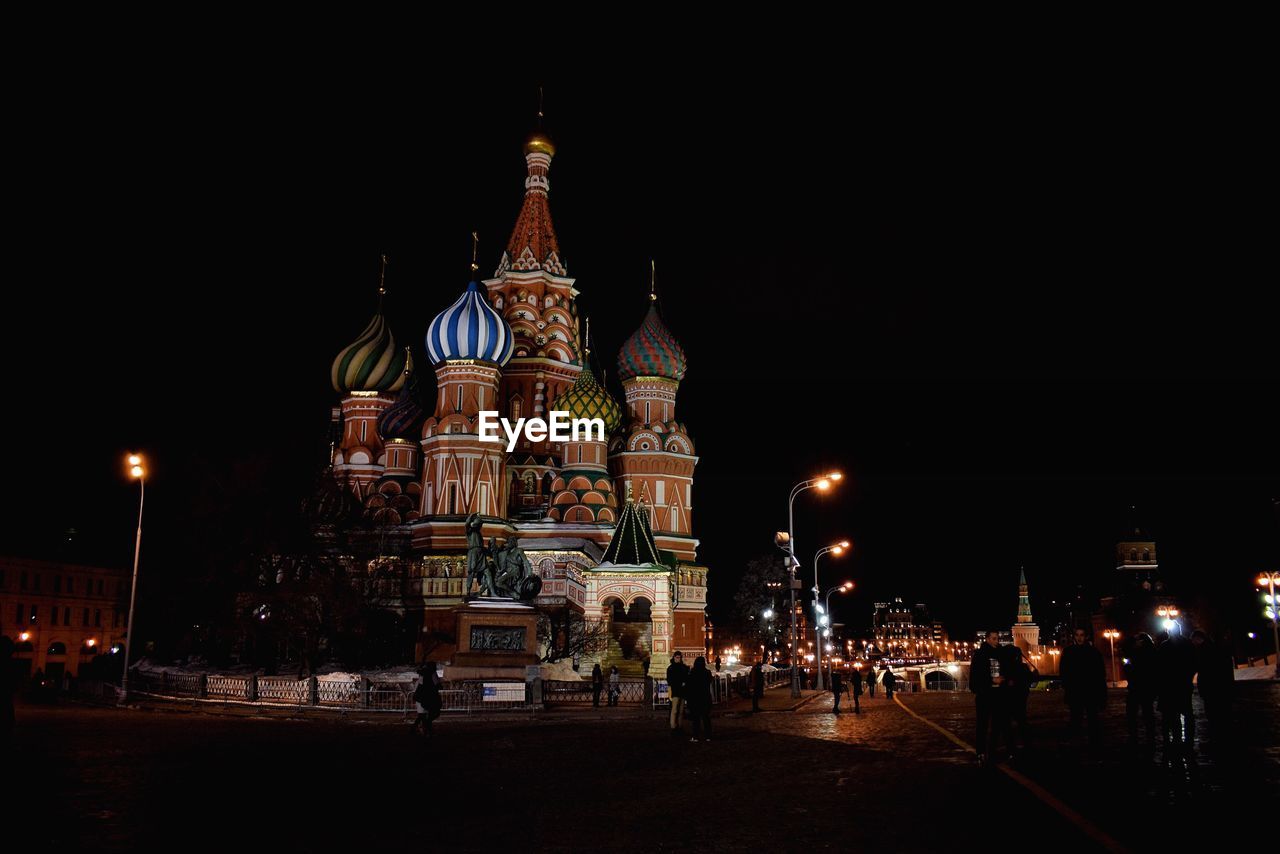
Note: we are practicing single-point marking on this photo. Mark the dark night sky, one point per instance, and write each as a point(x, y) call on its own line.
point(1007, 302)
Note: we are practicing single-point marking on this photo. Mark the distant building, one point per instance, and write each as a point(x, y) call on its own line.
point(900, 631)
point(61, 615)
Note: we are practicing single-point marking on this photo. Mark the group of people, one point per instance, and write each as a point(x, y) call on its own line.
point(1161, 674)
point(852, 685)
point(690, 692)
point(615, 684)
point(1000, 678)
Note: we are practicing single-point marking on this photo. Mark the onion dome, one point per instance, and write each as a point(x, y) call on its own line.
point(586, 398)
point(651, 351)
point(470, 329)
point(403, 419)
point(372, 362)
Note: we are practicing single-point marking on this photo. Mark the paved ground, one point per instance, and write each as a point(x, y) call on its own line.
point(103, 779)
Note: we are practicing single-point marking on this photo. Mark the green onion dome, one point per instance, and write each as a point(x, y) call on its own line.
point(586, 398)
point(372, 362)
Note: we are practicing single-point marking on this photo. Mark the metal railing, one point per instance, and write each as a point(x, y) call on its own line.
point(557, 691)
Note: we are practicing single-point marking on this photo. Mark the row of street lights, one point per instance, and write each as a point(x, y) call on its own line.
point(786, 540)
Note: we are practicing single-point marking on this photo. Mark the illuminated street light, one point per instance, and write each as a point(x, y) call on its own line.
point(835, 549)
point(1111, 635)
point(1268, 580)
point(139, 473)
point(788, 542)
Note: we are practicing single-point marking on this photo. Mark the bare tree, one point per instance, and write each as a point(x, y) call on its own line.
point(564, 632)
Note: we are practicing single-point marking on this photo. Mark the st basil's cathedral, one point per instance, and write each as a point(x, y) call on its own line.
point(607, 525)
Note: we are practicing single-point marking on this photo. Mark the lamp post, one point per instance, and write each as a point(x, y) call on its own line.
point(1170, 614)
point(788, 542)
point(137, 471)
point(1268, 580)
point(843, 588)
point(818, 613)
point(1111, 635)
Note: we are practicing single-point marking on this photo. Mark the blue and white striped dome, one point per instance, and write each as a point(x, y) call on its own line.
point(470, 329)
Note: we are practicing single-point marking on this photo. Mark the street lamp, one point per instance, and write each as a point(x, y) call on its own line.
point(1169, 613)
point(1111, 635)
point(1268, 580)
point(835, 549)
point(788, 541)
point(826, 618)
point(137, 471)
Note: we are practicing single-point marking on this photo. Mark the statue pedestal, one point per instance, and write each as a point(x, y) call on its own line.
point(497, 638)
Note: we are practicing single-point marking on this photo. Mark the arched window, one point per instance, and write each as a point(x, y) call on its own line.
point(1146, 556)
point(1133, 556)
point(57, 648)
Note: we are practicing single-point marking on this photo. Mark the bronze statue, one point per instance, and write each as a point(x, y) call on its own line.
point(501, 573)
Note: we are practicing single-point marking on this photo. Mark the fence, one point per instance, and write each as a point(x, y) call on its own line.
point(364, 694)
point(316, 691)
point(556, 691)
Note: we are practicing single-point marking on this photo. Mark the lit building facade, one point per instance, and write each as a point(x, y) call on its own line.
point(61, 615)
point(515, 344)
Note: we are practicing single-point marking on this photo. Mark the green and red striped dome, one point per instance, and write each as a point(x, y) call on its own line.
point(651, 351)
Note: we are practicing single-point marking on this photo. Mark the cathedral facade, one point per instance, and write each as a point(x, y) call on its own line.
point(607, 524)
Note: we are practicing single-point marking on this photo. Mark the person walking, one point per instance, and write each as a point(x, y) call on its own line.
point(871, 682)
point(757, 686)
point(889, 682)
point(1084, 681)
point(615, 685)
point(1140, 695)
point(988, 683)
point(855, 688)
point(697, 691)
point(677, 673)
point(837, 688)
point(597, 684)
point(427, 696)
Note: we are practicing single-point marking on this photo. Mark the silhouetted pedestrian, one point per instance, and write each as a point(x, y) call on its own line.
point(1084, 681)
point(1175, 669)
point(427, 696)
point(1140, 696)
point(698, 698)
point(597, 684)
point(615, 685)
point(855, 688)
point(837, 688)
point(757, 686)
point(717, 664)
point(677, 673)
point(988, 682)
point(890, 681)
point(871, 681)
